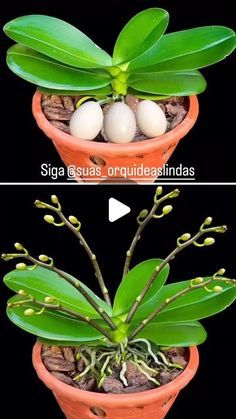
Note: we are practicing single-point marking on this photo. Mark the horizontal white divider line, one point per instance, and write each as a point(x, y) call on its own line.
point(116, 183)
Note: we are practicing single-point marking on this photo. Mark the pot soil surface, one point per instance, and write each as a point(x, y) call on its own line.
point(59, 109)
point(68, 364)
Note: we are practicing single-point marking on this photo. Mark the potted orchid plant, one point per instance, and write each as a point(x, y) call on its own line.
point(122, 358)
point(135, 105)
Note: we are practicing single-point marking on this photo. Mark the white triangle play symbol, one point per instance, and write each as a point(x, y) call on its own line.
point(117, 209)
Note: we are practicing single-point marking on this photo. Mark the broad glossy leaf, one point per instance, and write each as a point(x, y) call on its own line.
point(133, 283)
point(57, 39)
point(46, 72)
point(182, 83)
point(53, 325)
point(174, 334)
point(102, 92)
point(187, 50)
point(41, 282)
point(195, 305)
point(140, 34)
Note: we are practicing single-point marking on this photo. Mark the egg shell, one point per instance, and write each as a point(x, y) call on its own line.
point(151, 119)
point(119, 123)
point(86, 122)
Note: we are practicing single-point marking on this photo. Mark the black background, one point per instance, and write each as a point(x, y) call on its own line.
point(20, 221)
point(210, 147)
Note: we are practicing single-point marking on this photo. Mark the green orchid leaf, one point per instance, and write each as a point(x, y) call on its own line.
point(41, 282)
point(143, 95)
point(46, 72)
point(57, 39)
point(102, 92)
point(195, 305)
point(182, 83)
point(52, 324)
point(133, 283)
point(187, 50)
point(174, 334)
point(140, 34)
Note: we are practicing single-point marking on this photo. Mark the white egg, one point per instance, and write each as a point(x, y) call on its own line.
point(151, 119)
point(119, 123)
point(86, 122)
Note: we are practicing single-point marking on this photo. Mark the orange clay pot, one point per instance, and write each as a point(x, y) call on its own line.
point(79, 404)
point(108, 157)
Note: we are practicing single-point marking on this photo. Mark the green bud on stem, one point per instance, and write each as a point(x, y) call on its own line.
point(54, 199)
point(198, 280)
point(73, 219)
point(29, 312)
point(43, 258)
point(49, 299)
point(18, 246)
point(209, 241)
point(221, 229)
point(22, 293)
point(143, 214)
point(159, 190)
point(217, 288)
point(208, 221)
point(21, 266)
point(185, 237)
point(49, 219)
point(167, 209)
point(39, 204)
point(175, 193)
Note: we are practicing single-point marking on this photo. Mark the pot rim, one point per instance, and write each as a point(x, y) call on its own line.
point(104, 399)
point(91, 147)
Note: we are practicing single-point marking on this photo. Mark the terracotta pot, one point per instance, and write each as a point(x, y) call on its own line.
point(107, 158)
point(79, 404)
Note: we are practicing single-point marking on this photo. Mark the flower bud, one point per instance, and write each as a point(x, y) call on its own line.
point(29, 312)
point(49, 300)
point(208, 221)
point(175, 193)
point(54, 199)
point(143, 213)
point(221, 271)
point(73, 219)
point(18, 246)
point(185, 237)
point(39, 204)
point(43, 258)
point(221, 229)
point(159, 190)
point(6, 257)
point(49, 219)
point(167, 209)
point(209, 241)
point(22, 293)
point(217, 288)
point(198, 280)
point(21, 266)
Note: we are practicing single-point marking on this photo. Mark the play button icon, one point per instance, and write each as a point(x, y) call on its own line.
point(117, 210)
